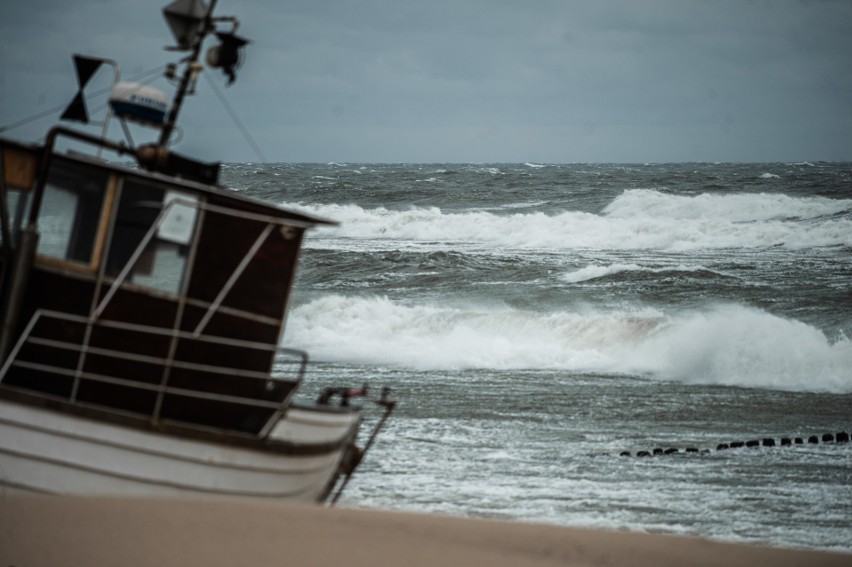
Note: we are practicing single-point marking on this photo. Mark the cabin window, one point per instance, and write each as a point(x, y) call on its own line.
point(70, 213)
point(17, 209)
point(160, 262)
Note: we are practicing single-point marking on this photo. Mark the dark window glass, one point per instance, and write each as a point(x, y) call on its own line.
point(70, 211)
point(162, 262)
point(138, 208)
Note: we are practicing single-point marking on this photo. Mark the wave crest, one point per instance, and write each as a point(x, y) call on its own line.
point(730, 345)
point(637, 219)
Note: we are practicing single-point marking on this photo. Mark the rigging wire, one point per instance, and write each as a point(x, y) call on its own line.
point(235, 118)
point(147, 75)
point(144, 78)
point(151, 77)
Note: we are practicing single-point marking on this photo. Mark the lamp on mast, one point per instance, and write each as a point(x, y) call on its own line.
point(185, 19)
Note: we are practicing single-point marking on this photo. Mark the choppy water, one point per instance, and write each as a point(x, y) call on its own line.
point(536, 320)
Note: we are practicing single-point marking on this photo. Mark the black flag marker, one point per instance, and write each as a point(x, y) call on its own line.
point(85, 67)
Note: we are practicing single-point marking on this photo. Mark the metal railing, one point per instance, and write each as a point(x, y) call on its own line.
point(33, 336)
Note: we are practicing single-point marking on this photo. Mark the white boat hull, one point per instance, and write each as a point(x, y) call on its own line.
point(42, 450)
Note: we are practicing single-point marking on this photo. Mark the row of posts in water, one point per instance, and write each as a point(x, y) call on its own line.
point(841, 437)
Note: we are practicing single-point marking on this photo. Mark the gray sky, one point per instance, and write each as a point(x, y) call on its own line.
point(554, 81)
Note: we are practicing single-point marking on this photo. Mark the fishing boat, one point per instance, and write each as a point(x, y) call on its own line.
point(143, 310)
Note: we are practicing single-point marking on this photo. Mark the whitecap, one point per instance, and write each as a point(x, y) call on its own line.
point(638, 219)
point(737, 345)
point(731, 345)
point(377, 330)
point(594, 272)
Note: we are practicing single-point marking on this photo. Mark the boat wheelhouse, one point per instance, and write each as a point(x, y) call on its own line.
point(142, 313)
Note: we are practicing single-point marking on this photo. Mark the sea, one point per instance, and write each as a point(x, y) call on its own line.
point(538, 322)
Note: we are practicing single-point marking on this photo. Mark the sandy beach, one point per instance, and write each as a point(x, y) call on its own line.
point(55, 531)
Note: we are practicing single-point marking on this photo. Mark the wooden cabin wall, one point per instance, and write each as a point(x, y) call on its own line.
point(263, 288)
point(47, 289)
point(252, 311)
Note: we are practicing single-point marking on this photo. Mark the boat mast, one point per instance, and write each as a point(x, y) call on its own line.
point(191, 70)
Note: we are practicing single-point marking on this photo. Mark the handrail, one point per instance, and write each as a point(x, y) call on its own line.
point(30, 336)
point(270, 222)
point(163, 331)
point(158, 388)
point(151, 359)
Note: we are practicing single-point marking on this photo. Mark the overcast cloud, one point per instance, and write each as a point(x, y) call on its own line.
point(473, 80)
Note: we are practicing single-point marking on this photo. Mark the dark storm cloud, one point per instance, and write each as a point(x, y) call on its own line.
point(481, 80)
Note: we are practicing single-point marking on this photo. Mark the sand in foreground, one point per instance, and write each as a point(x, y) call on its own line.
point(57, 531)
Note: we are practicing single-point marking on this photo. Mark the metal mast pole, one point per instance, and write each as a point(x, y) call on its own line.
point(169, 126)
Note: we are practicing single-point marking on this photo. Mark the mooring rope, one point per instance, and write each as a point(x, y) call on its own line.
point(840, 437)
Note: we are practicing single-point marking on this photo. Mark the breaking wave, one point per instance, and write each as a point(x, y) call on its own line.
point(731, 345)
point(636, 219)
point(735, 208)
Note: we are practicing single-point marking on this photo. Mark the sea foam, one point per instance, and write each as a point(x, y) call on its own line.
point(597, 271)
point(730, 345)
point(637, 219)
point(738, 208)
point(741, 346)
